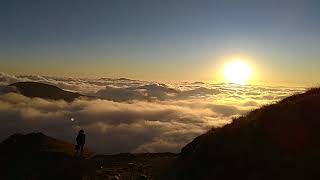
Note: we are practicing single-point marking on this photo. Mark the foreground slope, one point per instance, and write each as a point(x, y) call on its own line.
point(279, 141)
point(37, 156)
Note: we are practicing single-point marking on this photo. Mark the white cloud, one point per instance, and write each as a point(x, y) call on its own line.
point(135, 116)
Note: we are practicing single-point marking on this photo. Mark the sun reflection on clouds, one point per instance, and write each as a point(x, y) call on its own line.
point(159, 115)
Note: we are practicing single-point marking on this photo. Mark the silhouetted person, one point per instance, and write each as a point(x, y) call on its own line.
point(81, 140)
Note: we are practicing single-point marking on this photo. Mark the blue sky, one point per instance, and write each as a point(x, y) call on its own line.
point(161, 40)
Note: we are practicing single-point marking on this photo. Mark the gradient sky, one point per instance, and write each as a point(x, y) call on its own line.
point(166, 40)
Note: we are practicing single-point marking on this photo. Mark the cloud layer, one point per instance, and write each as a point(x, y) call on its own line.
point(132, 115)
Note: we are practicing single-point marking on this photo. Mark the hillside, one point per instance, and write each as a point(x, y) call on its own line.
point(45, 91)
point(38, 156)
point(35, 143)
point(279, 141)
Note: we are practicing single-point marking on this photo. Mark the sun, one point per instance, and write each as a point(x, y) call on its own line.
point(237, 72)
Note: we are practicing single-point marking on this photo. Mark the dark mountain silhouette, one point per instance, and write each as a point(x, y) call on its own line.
point(279, 141)
point(37, 156)
point(37, 142)
point(45, 91)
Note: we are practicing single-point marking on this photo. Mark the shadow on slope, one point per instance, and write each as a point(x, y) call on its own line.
point(279, 141)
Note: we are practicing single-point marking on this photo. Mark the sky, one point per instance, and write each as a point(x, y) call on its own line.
point(164, 40)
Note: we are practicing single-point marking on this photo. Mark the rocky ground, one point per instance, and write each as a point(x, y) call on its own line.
point(131, 166)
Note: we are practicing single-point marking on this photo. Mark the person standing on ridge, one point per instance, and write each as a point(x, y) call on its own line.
point(81, 140)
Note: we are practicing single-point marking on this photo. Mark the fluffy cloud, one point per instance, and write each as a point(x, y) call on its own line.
point(132, 115)
point(111, 126)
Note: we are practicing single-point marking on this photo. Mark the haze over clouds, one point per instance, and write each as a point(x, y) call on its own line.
point(131, 115)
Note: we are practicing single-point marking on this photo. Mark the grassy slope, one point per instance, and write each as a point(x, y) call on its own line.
point(279, 141)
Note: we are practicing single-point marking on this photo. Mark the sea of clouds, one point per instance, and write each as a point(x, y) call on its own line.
point(130, 115)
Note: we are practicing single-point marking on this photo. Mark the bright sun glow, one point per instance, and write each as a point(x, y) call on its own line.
point(237, 72)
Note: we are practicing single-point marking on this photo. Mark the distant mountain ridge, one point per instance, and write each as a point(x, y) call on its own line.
point(278, 141)
point(45, 91)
